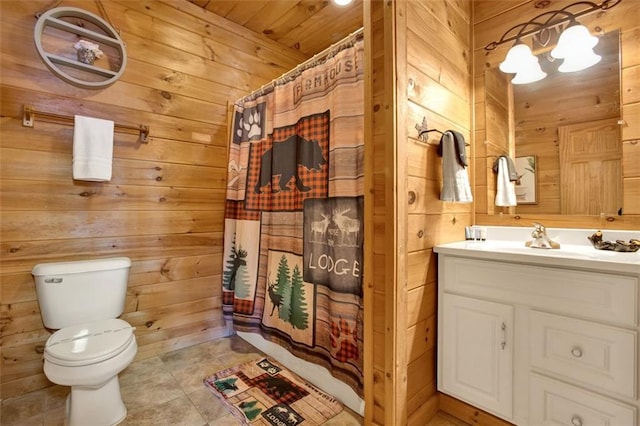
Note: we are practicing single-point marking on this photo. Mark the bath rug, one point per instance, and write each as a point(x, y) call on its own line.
point(263, 392)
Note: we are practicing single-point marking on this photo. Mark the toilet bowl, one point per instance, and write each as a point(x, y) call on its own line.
point(83, 300)
point(89, 357)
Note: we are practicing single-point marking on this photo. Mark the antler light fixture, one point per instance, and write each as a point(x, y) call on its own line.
point(575, 44)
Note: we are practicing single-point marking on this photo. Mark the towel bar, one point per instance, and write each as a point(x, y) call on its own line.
point(29, 116)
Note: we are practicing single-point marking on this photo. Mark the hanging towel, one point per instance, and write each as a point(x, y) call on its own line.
point(513, 173)
point(461, 150)
point(505, 191)
point(92, 149)
point(455, 180)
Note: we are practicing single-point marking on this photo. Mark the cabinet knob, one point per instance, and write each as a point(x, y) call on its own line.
point(576, 420)
point(576, 351)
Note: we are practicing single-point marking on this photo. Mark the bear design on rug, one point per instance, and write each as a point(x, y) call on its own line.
point(280, 388)
point(283, 159)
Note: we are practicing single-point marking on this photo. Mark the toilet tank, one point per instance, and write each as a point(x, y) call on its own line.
point(71, 293)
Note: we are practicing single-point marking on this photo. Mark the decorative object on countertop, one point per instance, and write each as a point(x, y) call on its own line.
point(622, 246)
point(541, 239)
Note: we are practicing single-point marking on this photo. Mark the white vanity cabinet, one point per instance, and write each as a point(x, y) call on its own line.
point(477, 346)
point(537, 340)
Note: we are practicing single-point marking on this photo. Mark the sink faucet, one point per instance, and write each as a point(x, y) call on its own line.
point(540, 239)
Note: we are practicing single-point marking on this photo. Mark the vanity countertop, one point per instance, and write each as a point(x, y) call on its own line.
point(576, 252)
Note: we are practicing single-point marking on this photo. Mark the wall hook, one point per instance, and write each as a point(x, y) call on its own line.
point(423, 129)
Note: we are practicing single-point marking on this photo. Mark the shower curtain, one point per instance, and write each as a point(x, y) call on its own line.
point(293, 237)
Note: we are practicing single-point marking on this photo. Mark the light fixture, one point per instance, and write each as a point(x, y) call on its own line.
point(521, 61)
point(518, 56)
point(530, 74)
point(579, 62)
point(342, 2)
point(575, 45)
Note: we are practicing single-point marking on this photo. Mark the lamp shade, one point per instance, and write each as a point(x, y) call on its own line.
point(521, 61)
point(530, 74)
point(518, 56)
point(573, 40)
point(579, 61)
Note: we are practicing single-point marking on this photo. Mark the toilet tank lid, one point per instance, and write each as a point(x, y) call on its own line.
point(80, 266)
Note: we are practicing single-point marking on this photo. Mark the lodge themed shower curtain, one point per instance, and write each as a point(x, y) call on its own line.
point(293, 236)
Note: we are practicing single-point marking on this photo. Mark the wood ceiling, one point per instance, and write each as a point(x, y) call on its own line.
point(309, 26)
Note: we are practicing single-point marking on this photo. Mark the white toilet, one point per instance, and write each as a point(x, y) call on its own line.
point(92, 346)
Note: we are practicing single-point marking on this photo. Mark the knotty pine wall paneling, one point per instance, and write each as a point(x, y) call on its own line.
point(375, 246)
point(421, 69)
point(491, 19)
point(438, 87)
point(163, 207)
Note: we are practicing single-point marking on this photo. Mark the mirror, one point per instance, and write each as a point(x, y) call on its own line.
point(563, 131)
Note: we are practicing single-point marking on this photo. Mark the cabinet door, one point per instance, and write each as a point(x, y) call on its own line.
point(477, 353)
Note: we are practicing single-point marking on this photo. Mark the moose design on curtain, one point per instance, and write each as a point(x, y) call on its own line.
point(293, 237)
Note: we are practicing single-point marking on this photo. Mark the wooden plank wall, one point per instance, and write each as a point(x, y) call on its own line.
point(369, 277)
point(491, 19)
point(421, 68)
point(437, 85)
point(374, 14)
point(164, 206)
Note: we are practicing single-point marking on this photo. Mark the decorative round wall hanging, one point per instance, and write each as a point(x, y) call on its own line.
point(80, 70)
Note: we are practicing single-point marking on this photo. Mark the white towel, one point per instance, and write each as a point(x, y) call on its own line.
point(455, 180)
point(505, 191)
point(92, 149)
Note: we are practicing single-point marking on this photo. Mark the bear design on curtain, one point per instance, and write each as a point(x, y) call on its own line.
point(293, 237)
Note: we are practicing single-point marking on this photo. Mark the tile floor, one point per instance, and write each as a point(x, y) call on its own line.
point(164, 390)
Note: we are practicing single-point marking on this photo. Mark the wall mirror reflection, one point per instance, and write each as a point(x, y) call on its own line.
point(569, 122)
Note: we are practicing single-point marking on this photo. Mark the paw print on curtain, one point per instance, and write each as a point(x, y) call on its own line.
point(249, 123)
point(344, 339)
point(249, 127)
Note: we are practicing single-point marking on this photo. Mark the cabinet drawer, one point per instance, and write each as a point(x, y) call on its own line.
point(592, 295)
point(592, 354)
point(553, 403)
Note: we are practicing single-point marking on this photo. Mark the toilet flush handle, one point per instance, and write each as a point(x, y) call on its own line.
point(53, 280)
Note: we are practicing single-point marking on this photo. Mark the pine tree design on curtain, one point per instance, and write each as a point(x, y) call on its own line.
point(236, 272)
point(287, 295)
point(299, 315)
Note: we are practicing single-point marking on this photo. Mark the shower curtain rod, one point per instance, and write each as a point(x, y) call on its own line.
point(316, 59)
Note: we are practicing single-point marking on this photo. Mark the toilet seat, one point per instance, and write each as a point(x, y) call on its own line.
point(89, 343)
